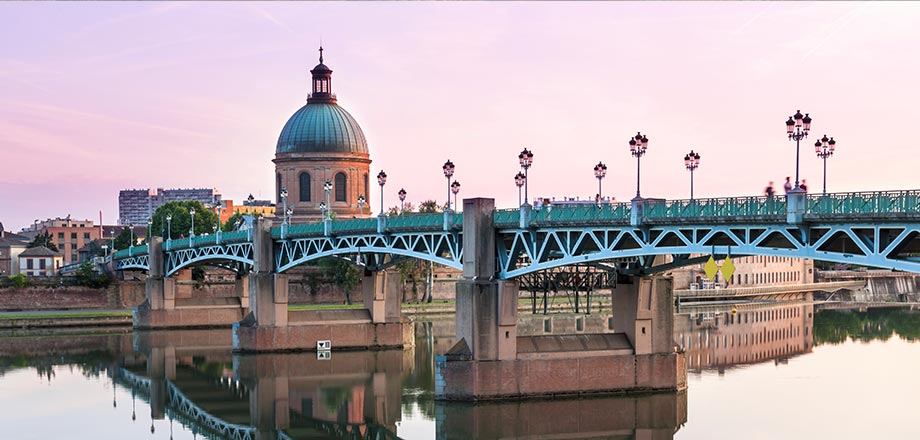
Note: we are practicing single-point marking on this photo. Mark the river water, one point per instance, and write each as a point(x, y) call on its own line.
point(756, 371)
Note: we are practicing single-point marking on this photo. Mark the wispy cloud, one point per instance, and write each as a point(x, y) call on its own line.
point(267, 16)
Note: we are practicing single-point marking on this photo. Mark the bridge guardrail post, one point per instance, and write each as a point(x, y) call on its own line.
point(795, 206)
point(381, 224)
point(526, 215)
point(448, 219)
point(327, 227)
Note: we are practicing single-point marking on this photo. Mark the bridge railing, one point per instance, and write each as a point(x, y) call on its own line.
point(134, 250)
point(581, 213)
point(717, 207)
point(417, 220)
point(878, 202)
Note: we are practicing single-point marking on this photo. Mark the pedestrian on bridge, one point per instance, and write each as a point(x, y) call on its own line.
point(804, 186)
point(788, 185)
point(769, 190)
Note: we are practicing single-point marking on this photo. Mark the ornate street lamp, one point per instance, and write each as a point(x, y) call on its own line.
point(381, 180)
point(327, 187)
point(191, 236)
point(519, 180)
point(637, 147)
point(526, 160)
point(289, 213)
point(797, 128)
point(824, 148)
point(149, 230)
point(131, 243)
point(692, 162)
point(402, 200)
point(322, 208)
point(455, 188)
point(361, 202)
point(448, 169)
point(250, 199)
point(284, 195)
point(219, 221)
point(168, 230)
point(600, 171)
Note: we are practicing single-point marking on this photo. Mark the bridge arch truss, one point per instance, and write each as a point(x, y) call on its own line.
point(887, 246)
point(234, 256)
point(441, 247)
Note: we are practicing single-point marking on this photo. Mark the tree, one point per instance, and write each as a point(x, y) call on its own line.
point(230, 225)
point(343, 274)
point(429, 206)
point(86, 276)
point(123, 240)
point(181, 222)
point(43, 239)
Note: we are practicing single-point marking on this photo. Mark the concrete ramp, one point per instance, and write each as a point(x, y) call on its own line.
point(573, 346)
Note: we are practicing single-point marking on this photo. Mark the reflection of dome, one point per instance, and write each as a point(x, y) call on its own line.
point(321, 127)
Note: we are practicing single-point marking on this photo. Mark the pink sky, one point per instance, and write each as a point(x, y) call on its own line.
point(97, 97)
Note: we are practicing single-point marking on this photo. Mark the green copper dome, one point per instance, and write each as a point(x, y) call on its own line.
point(321, 127)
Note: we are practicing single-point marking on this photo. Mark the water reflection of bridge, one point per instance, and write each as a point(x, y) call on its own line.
point(192, 378)
point(720, 336)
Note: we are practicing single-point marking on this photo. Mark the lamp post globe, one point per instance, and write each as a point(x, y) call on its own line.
point(448, 169)
point(600, 171)
point(361, 202)
point(381, 180)
point(525, 159)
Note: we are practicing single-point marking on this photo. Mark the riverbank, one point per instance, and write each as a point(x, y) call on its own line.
point(123, 317)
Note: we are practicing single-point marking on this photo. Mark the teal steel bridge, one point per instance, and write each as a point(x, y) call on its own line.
point(876, 229)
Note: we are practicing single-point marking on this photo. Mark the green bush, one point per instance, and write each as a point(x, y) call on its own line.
point(18, 280)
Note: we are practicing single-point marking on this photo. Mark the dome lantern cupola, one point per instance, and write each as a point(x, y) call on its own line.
point(322, 82)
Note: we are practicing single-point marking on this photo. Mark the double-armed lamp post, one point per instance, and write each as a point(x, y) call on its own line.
point(327, 188)
point(448, 169)
point(600, 171)
point(692, 162)
point(455, 188)
point(797, 128)
point(525, 158)
point(381, 180)
point(824, 148)
point(519, 180)
point(637, 147)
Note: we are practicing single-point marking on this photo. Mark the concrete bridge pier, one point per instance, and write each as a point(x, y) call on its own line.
point(168, 307)
point(271, 327)
point(489, 361)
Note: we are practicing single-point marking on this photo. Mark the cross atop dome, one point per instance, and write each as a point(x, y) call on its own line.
point(322, 82)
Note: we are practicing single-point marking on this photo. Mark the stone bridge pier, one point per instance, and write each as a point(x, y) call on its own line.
point(271, 327)
point(169, 305)
point(489, 360)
